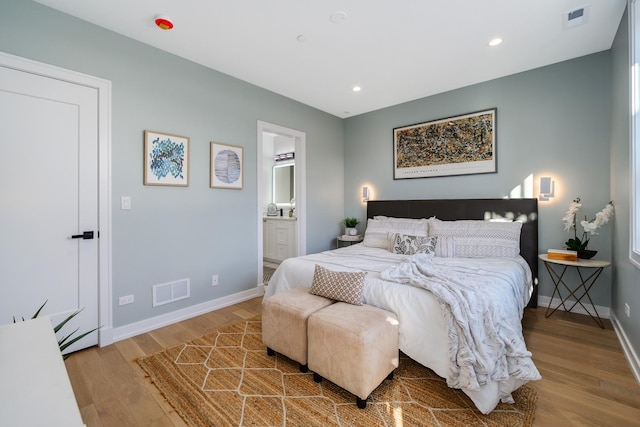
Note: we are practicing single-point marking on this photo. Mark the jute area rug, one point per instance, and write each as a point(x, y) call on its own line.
point(226, 378)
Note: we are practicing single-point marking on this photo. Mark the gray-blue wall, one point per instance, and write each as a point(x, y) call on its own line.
point(554, 120)
point(174, 232)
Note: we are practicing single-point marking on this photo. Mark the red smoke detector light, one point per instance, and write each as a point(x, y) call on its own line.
point(164, 22)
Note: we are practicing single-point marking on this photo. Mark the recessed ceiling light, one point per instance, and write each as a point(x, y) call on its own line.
point(338, 17)
point(495, 42)
point(356, 89)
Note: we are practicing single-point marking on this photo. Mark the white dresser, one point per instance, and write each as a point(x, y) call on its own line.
point(279, 238)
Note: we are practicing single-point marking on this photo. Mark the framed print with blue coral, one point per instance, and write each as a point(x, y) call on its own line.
point(166, 159)
point(227, 163)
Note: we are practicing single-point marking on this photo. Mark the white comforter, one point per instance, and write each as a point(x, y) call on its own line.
point(482, 308)
point(424, 329)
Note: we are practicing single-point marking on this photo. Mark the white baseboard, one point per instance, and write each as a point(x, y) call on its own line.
point(543, 302)
point(133, 329)
point(632, 357)
point(105, 336)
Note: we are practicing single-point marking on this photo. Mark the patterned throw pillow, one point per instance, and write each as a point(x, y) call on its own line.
point(338, 285)
point(409, 245)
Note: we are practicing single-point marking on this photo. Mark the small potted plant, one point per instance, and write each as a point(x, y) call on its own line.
point(350, 224)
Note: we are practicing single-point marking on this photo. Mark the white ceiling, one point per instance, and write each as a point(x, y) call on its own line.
point(397, 51)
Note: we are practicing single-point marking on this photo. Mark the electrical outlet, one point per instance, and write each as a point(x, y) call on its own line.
point(627, 310)
point(127, 299)
point(214, 280)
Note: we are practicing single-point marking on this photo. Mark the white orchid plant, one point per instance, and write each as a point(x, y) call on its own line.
point(590, 227)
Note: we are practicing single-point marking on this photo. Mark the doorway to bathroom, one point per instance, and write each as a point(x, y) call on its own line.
point(281, 196)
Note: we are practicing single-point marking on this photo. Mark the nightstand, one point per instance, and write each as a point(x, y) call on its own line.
point(348, 240)
point(586, 282)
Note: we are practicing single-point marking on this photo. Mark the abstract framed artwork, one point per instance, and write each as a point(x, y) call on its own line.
point(166, 159)
point(226, 166)
point(459, 145)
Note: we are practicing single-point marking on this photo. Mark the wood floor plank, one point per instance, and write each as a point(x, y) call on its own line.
point(83, 395)
point(90, 416)
point(105, 388)
point(586, 379)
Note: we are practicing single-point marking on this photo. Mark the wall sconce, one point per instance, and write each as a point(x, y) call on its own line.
point(547, 189)
point(365, 194)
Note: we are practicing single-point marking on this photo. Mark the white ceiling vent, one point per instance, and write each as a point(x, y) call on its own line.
point(575, 17)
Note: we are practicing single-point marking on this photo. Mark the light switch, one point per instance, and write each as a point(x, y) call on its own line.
point(125, 203)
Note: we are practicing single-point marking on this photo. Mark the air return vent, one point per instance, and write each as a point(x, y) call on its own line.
point(578, 13)
point(575, 17)
point(170, 292)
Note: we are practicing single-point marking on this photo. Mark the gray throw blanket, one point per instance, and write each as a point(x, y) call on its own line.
point(483, 310)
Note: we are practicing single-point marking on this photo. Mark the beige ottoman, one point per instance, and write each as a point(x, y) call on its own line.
point(284, 323)
point(355, 347)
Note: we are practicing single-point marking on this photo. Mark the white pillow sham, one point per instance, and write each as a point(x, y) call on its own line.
point(375, 236)
point(407, 220)
point(476, 239)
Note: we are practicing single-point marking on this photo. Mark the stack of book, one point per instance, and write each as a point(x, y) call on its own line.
point(562, 254)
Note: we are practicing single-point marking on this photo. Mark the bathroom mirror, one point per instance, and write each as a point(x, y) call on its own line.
point(283, 183)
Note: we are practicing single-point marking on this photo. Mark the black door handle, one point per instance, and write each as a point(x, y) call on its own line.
point(87, 235)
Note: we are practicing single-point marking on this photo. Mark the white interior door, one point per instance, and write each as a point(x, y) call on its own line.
point(49, 192)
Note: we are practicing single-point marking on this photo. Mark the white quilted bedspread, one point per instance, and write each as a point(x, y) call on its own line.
point(425, 329)
point(482, 306)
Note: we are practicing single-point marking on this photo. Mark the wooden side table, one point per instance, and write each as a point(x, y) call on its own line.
point(341, 241)
point(586, 282)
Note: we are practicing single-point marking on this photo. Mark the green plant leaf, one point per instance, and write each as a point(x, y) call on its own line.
point(64, 345)
point(573, 244)
point(351, 222)
point(64, 322)
point(39, 310)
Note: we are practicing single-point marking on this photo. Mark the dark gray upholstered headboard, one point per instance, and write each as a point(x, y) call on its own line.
point(453, 209)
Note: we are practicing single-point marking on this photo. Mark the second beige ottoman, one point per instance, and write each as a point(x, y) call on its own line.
point(355, 347)
point(284, 322)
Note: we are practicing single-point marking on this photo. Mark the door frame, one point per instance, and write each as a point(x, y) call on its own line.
point(103, 88)
point(300, 187)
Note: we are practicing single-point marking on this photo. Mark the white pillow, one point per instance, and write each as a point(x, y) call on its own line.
point(375, 236)
point(407, 220)
point(476, 239)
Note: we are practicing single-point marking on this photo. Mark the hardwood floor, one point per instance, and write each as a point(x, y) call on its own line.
point(586, 378)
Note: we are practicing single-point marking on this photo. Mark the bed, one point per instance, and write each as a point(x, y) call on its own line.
point(439, 328)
